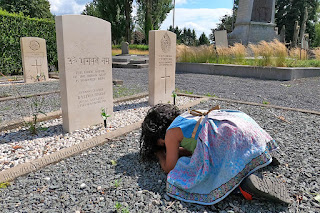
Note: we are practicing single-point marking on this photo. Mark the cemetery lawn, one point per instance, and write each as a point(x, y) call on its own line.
point(255, 62)
point(134, 49)
point(132, 52)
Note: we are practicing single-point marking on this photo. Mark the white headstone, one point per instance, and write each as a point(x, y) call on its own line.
point(34, 59)
point(162, 66)
point(85, 69)
point(221, 38)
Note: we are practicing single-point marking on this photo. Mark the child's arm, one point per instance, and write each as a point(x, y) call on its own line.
point(169, 159)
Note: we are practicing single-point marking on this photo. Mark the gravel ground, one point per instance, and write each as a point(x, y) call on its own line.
point(300, 93)
point(51, 137)
point(116, 179)
point(115, 176)
point(21, 89)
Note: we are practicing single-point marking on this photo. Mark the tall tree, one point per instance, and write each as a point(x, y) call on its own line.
point(32, 8)
point(316, 40)
point(129, 22)
point(113, 11)
point(289, 11)
point(91, 9)
point(117, 12)
point(178, 33)
point(185, 36)
point(226, 22)
point(151, 14)
point(203, 39)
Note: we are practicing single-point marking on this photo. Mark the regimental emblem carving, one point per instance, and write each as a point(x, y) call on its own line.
point(34, 45)
point(165, 43)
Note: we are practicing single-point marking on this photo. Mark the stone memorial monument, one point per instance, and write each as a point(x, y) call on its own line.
point(283, 34)
point(220, 37)
point(124, 48)
point(162, 66)
point(254, 23)
point(85, 69)
point(295, 38)
point(305, 42)
point(34, 59)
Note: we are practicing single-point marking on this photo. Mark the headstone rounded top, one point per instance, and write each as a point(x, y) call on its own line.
point(84, 16)
point(32, 38)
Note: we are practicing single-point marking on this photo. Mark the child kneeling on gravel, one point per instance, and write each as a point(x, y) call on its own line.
point(208, 154)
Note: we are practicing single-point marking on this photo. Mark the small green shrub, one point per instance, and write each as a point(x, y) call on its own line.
point(4, 185)
point(117, 183)
point(265, 102)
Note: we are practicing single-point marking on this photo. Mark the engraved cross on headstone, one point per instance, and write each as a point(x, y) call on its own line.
point(165, 77)
point(37, 67)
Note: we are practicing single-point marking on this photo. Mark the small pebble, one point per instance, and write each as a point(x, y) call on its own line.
point(82, 186)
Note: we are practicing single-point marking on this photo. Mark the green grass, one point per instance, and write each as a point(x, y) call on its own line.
point(113, 162)
point(206, 56)
point(133, 46)
point(119, 208)
point(210, 95)
point(303, 63)
point(117, 183)
point(265, 102)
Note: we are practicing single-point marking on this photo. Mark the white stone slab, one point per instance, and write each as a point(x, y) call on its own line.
point(85, 69)
point(221, 38)
point(162, 66)
point(34, 59)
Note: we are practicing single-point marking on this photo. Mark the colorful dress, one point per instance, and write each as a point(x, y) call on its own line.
point(230, 146)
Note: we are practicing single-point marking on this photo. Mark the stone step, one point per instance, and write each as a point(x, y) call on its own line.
point(120, 60)
point(127, 65)
point(141, 61)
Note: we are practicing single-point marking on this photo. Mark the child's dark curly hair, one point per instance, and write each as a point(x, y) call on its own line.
point(154, 127)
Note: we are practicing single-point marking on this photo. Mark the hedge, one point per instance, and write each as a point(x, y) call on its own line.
point(12, 28)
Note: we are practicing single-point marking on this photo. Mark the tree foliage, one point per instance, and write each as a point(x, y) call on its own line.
point(203, 39)
point(117, 12)
point(289, 11)
point(316, 41)
point(91, 9)
point(31, 8)
point(189, 37)
point(226, 21)
point(151, 14)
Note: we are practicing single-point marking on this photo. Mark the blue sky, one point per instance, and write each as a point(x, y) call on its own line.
point(200, 15)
